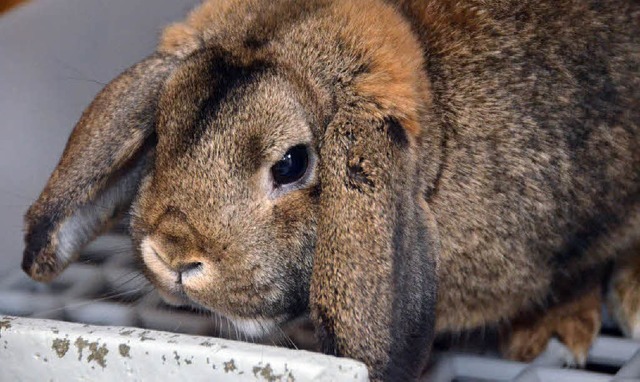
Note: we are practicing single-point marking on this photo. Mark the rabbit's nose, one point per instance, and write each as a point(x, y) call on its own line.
point(188, 269)
point(182, 264)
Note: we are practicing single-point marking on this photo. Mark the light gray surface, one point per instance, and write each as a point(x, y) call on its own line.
point(54, 57)
point(60, 351)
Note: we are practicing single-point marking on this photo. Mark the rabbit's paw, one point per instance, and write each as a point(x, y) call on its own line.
point(575, 324)
point(623, 298)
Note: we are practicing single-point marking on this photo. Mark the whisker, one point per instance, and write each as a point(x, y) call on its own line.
point(178, 326)
point(135, 273)
point(291, 342)
point(88, 302)
point(77, 71)
point(84, 80)
point(235, 328)
point(138, 279)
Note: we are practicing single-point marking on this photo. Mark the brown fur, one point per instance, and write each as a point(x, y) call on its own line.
point(486, 147)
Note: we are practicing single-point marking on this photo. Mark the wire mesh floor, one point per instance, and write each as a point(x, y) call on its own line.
point(104, 287)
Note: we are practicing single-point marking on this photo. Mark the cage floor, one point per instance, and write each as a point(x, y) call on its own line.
point(105, 288)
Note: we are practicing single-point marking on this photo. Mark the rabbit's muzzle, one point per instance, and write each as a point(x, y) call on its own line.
point(173, 273)
point(180, 280)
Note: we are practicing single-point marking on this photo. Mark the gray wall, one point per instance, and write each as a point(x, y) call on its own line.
point(54, 57)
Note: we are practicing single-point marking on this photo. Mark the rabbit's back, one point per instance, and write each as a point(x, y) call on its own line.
point(537, 111)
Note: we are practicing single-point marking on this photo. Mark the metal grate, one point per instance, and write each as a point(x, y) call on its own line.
point(104, 288)
point(610, 359)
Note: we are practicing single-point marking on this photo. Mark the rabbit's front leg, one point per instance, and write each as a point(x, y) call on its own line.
point(575, 323)
point(623, 297)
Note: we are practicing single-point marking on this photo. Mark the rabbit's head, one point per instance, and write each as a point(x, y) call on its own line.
point(226, 216)
point(268, 154)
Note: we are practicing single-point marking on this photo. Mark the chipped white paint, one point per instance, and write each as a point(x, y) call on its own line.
point(37, 350)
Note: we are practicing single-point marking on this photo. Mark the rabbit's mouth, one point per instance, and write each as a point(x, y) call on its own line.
point(253, 328)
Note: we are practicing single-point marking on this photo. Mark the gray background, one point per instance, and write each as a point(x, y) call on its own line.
point(55, 55)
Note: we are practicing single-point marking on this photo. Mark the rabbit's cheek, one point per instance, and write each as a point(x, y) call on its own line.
point(164, 277)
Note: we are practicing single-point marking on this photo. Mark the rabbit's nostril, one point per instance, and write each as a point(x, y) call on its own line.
point(185, 268)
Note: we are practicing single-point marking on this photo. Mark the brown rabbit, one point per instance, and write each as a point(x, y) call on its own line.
point(345, 157)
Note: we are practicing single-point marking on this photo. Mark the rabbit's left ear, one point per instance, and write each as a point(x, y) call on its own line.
point(100, 169)
point(373, 288)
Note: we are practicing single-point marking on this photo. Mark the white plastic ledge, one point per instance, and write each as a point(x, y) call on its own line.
point(45, 350)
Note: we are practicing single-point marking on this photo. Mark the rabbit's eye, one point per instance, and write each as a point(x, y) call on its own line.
point(292, 166)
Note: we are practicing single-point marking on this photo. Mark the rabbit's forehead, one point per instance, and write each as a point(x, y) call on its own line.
point(265, 112)
point(229, 125)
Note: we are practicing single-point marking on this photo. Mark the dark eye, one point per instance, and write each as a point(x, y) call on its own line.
point(292, 166)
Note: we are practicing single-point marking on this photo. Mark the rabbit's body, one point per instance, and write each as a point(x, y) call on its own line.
point(491, 146)
point(539, 177)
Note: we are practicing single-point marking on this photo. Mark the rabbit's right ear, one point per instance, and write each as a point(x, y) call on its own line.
point(100, 169)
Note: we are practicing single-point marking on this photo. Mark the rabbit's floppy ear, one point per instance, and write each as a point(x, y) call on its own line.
point(98, 174)
point(373, 286)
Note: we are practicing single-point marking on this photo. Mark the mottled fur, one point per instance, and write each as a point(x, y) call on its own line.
point(488, 148)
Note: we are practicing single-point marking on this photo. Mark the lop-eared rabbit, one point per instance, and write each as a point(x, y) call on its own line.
point(397, 169)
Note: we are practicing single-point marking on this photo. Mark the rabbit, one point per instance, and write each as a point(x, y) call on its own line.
point(396, 169)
